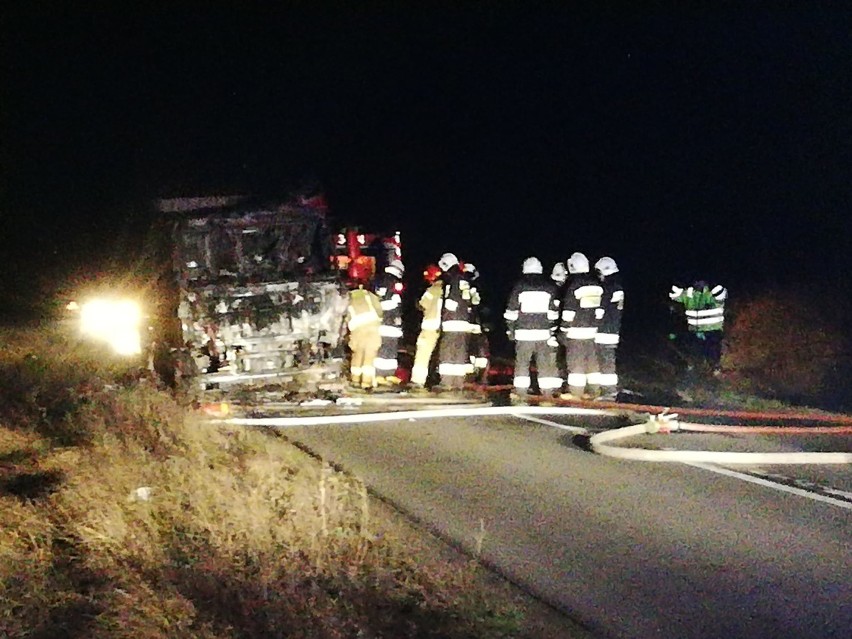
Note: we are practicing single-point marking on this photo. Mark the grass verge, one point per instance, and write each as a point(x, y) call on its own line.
point(126, 515)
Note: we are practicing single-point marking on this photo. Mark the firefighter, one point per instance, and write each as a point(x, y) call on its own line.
point(581, 315)
point(389, 290)
point(363, 318)
point(607, 336)
point(454, 361)
point(704, 309)
point(430, 303)
point(559, 275)
point(532, 316)
point(478, 349)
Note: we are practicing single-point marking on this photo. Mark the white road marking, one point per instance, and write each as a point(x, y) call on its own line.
point(839, 493)
point(771, 484)
point(363, 418)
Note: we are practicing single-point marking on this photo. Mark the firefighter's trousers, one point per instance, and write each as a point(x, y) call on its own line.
point(545, 363)
point(364, 343)
point(479, 353)
point(454, 361)
point(582, 361)
point(386, 360)
point(607, 378)
point(426, 342)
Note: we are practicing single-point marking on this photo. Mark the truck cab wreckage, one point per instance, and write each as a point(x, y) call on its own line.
point(262, 288)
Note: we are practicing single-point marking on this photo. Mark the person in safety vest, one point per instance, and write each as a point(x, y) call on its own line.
point(581, 315)
point(453, 358)
point(607, 336)
point(363, 318)
point(532, 316)
point(389, 290)
point(430, 304)
point(478, 348)
point(703, 307)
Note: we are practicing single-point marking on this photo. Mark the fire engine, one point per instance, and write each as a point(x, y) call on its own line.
point(361, 256)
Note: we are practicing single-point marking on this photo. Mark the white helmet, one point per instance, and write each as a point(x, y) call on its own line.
point(578, 263)
point(396, 268)
point(448, 261)
point(471, 271)
point(532, 265)
point(559, 273)
point(606, 266)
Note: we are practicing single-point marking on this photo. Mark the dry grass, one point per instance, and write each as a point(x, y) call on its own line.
point(123, 515)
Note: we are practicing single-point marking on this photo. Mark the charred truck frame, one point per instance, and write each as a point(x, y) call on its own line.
point(262, 287)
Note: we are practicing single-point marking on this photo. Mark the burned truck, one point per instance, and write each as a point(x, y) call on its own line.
point(261, 296)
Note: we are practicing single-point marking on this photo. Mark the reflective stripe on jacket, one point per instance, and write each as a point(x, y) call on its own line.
point(532, 311)
point(455, 314)
point(388, 288)
point(581, 307)
point(704, 308)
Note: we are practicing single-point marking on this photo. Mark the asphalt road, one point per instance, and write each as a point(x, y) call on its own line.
point(629, 549)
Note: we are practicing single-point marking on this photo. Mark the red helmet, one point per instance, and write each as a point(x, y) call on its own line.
point(432, 273)
point(360, 269)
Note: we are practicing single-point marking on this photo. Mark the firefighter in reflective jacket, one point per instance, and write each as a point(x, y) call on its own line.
point(454, 361)
point(704, 309)
point(532, 316)
point(607, 337)
point(581, 315)
point(478, 349)
point(431, 304)
point(559, 275)
point(389, 290)
point(363, 318)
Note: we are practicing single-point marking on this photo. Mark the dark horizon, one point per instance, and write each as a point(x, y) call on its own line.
point(710, 143)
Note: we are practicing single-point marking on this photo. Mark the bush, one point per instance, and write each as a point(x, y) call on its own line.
point(786, 344)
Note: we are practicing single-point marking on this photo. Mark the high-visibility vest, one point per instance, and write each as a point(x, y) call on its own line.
point(704, 308)
point(364, 309)
point(430, 303)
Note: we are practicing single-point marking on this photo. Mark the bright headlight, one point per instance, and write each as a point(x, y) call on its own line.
point(116, 322)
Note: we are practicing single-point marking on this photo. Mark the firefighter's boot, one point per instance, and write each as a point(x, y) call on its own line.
point(574, 394)
point(418, 390)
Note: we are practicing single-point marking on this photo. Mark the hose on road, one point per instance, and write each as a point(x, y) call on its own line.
point(840, 424)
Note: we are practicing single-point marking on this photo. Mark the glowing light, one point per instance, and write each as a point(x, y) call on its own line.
point(116, 322)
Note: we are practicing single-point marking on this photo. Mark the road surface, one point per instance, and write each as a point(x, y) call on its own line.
point(629, 549)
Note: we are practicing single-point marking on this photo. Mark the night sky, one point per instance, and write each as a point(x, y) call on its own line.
point(713, 143)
